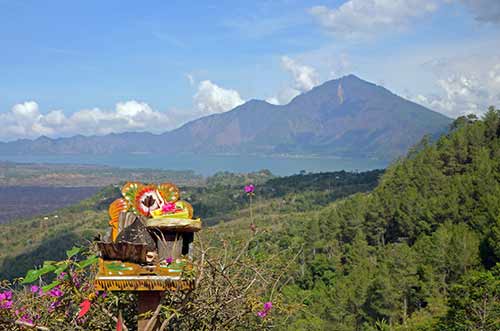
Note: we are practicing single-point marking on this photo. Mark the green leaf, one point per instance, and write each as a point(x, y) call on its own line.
point(85, 263)
point(72, 252)
point(51, 286)
point(61, 268)
point(33, 275)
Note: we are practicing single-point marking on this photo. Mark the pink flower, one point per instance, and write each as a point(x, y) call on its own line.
point(262, 314)
point(169, 260)
point(56, 292)
point(26, 318)
point(249, 188)
point(6, 300)
point(267, 307)
point(169, 207)
point(7, 295)
point(7, 304)
point(34, 289)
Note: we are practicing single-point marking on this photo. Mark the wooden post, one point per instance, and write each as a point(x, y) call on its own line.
point(148, 301)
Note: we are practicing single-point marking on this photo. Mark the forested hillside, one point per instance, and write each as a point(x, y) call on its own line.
point(417, 253)
point(33, 240)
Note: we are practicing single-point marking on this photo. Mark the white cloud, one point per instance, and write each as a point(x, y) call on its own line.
point(466, 85)
point(25, 120)
point(361, 18)
point(284, 96)
point(364, 18)
point(304, 78)
point(211, 98)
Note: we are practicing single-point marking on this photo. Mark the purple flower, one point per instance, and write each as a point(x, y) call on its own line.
point(262, 314)
point(169, 260)
point(61, 276)
point(7, 295)
point(76, 281)
point(268, 305)
point(56, 292)
point(34, 289)
point(249, 189)
point(53, 305)
point(26, 318)
point(6, 304)
point(6, 300)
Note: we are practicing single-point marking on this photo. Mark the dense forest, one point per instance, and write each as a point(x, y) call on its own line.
point(416, 247)
point(420, 252)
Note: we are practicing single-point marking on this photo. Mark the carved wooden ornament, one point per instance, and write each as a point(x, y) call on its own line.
point(150, 242)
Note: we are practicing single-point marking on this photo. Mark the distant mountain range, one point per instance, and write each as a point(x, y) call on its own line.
point(343, 117)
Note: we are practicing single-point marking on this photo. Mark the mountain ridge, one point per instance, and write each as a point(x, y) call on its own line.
point(342, 117)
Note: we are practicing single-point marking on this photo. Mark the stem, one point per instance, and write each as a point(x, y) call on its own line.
point(251, 209)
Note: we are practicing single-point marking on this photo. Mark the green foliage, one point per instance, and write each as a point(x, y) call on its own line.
point(474, 303)
point(402, 256)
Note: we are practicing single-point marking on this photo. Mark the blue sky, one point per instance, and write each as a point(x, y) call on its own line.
point(94, 67)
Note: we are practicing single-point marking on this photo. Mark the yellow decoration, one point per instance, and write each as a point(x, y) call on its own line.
point(172, 223)
point(115, 208)
point(169, 192)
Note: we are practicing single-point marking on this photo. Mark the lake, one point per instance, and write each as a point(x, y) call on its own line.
point(208, 165)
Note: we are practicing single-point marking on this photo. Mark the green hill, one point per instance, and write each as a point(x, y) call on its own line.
point(33, 240)
point(417, 253)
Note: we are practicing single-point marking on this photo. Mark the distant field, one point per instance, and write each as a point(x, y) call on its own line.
point(68, 175)
point(25, 202)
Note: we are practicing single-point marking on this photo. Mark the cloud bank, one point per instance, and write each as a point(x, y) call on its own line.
point(361, 18)
point(25, 120)
point(366, 18)
point(467, 85)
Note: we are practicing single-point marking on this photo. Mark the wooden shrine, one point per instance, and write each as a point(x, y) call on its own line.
point(149, 247)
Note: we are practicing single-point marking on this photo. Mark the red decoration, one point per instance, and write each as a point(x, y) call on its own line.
point(119, 322)
point(147, 200)
point(85, 306)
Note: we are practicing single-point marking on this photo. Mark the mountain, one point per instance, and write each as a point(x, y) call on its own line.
point(342, 117)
